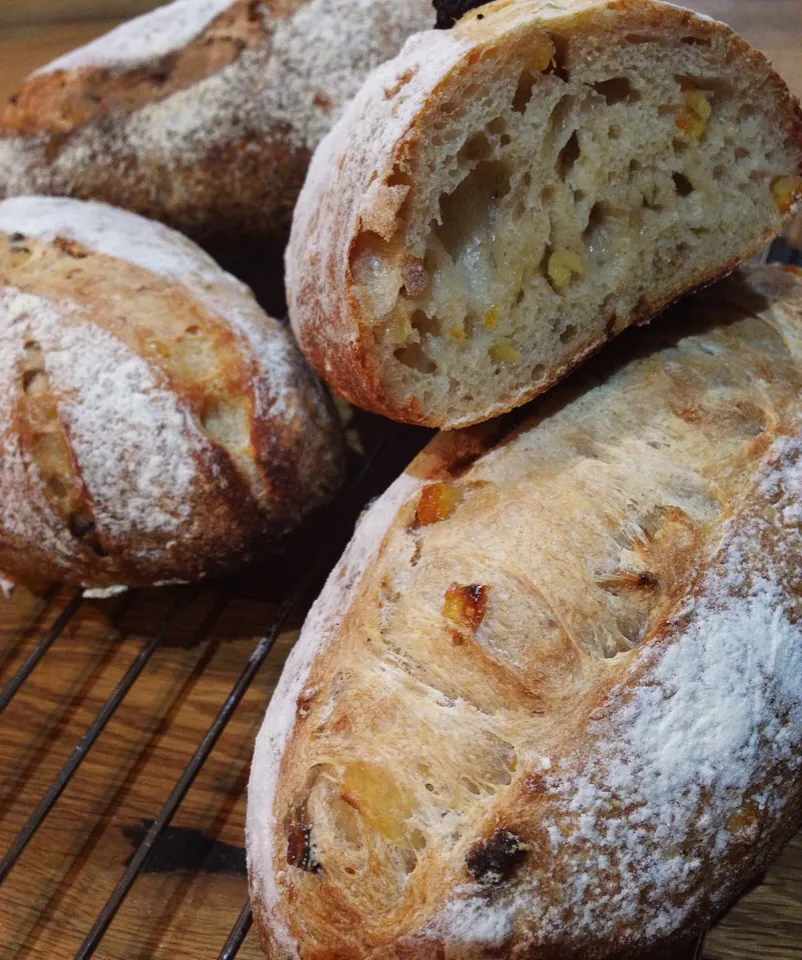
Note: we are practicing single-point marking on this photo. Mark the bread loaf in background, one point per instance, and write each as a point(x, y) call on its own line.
point(202, 113)
point(526, 185)
point(155, 423)
point(549, 704)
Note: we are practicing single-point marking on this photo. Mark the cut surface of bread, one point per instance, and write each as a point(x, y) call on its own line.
point(202, 113)
point(155, 423)
point(549, 704)
point(506, 196)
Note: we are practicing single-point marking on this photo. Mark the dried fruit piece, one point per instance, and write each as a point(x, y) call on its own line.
point(495, 859)
point(563, 264)
point(491, 318)
point(465, 605)
point(385, 805)
point(300, 851)
point(437, 502)
point(503, 351)
point(786, 190)
point(693, 119)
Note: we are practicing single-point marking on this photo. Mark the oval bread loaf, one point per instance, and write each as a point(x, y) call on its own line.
point(155, 423)
point(549, 704)
point(203, 113)
point(527, 185)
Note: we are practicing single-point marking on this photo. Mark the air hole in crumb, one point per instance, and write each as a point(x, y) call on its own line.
point(741, 153)
point(711, 85)
point(505, 139)
point(568, 156)
point(350, 871)
point(526, 178)
point(682, 184)
point(538, 371)
point(497, 126)
point(414, 357)
point(614, 132)
point(520, 297)
point(568, 334)
point(696, 41)
point(594, 233)
point(617, 90)
point(477, 147)
point(425, 325)
point(520, 211)
point(635, 166)
point(579, 196)
point(193, 331)
point(680, 146)
point(471, 787)
point(719, 172)
point(547, 194)
point(523, 92)
point(557, 68)
point(429, 787)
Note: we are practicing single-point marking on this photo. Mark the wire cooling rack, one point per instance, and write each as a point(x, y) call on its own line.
point(277, 592)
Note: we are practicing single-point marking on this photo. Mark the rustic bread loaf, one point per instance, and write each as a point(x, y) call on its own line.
point(549, 704)
point(202, 113)
point(155, 423)
point(504, 197)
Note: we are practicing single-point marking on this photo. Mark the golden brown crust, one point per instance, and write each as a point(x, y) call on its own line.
point(158, 426)
point(214, 137)
point(342, 199)
point(594, 759)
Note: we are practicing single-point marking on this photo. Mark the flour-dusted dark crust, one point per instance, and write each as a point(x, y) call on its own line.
point(155, 424)
point(373, 194)
point(613, 753)
point(212, 134)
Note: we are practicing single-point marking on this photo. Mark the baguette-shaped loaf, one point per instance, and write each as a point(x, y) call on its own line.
point(549, 704)
point(504, 197)
point(155, 423)
point(203, 113)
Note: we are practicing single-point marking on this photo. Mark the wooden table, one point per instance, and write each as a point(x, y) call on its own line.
point(184, 904)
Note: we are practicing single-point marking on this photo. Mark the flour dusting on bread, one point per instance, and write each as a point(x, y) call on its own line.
point(697, 742)
point(135, 443)
point(145, 38)
point(225, 154)
point(167, 254)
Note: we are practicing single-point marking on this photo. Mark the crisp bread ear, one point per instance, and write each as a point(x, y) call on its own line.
point(449, 11)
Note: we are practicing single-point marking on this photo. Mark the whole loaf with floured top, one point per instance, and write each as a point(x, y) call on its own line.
point(549, 704)
point(155, 423)
point(202, 113)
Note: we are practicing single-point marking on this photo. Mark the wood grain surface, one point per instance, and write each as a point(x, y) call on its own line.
point(190, 894)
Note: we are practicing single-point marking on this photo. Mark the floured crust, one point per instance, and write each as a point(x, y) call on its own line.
point(353, 194)
point(202, 114)
point(157, 425)
point(600, 745)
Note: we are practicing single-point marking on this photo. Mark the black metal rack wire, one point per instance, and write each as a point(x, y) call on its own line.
point(389, 448)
